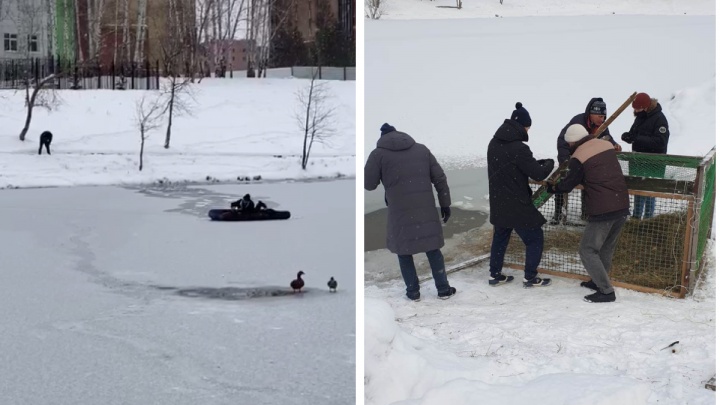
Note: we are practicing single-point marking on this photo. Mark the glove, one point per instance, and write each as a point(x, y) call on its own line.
point(628, 137)
point(547, 164)
point(445, 212)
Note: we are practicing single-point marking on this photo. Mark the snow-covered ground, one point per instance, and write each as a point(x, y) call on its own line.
point(450, 83)
point(447, 9)
point(133, 296)
point(239, 128)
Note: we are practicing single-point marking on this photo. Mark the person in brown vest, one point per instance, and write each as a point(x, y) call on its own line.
point(594, 164)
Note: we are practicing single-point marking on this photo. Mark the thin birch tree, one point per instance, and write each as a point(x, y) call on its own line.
point(315, 116)
point(148, 117)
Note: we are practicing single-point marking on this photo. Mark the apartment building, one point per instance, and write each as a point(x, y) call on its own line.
point(25, 29)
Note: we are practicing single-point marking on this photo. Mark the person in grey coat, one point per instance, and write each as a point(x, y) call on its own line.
point(408, 171)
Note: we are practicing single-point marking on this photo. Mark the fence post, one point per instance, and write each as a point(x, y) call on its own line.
point(157, 74)
point(37, 71)
point(147, 74)
point(132, 75)
point(75, 77)
point(112, 67)
point(320, 72)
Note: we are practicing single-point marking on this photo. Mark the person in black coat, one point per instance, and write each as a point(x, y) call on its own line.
point(593, 117)
point(244, 204)
point(45, 140)
point(510, 164)
point(648, 134)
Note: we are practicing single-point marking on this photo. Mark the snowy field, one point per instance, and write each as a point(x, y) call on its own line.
point(133, 296)
point(446, 9)
point(239, 128)
point(450, 83)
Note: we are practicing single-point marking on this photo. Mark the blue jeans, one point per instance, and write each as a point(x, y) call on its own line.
point(533, 239)
point(409, 274)
point(643, 203)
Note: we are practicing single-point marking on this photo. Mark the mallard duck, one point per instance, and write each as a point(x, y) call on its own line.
point(298, 283)
point(332, 284)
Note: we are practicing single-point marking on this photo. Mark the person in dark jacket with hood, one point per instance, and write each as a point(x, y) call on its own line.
point(593, 117)
point(510, 164)
point(408, 171)
point(648, 134)
point(594, 164)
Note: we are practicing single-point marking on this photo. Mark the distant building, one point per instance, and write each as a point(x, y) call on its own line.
point(304, 14)
point(25, 29)
point(237, 52)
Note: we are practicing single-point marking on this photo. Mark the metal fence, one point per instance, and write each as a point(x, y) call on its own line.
point(662, 245)
point(18, 73)
point(323, 72)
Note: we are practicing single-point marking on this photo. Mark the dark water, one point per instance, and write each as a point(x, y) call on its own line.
point(460, 221)
point(467, 186)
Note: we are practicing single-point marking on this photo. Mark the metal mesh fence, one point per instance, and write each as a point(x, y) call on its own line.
point(671, 202)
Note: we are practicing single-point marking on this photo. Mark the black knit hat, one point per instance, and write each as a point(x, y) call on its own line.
point(598, 107)
point(521, 115)
point(386, 128)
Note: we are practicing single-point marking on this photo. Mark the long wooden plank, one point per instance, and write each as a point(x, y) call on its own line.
point(660, 185)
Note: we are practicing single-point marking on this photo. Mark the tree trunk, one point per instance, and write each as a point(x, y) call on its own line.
point(142, 145)
point(78, 30)
point(126, 31)
point(170, 115)
point(140, 40)
point(50, 26)
point(31, 103)
point(90, 28)
point(306, 150)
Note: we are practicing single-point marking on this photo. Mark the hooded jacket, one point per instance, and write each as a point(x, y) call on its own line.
point(408, 171)
point(584, 120)
point(510, 164)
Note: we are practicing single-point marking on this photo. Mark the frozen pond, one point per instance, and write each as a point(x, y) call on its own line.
point(133, 296)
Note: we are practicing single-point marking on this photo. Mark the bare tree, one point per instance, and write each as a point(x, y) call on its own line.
point(198, 58)
point(219, 29)
point(30, 18)
point(40, 97)
point(177, 96)
point(266, 18)
point(314, 116)
point(375, 9)
point(148, 116)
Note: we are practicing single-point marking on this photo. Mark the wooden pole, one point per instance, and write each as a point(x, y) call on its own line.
point(687, 247)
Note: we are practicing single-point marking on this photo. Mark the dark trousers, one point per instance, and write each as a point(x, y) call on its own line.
point(533, 239)
point(47, 147)
point(409, 274)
